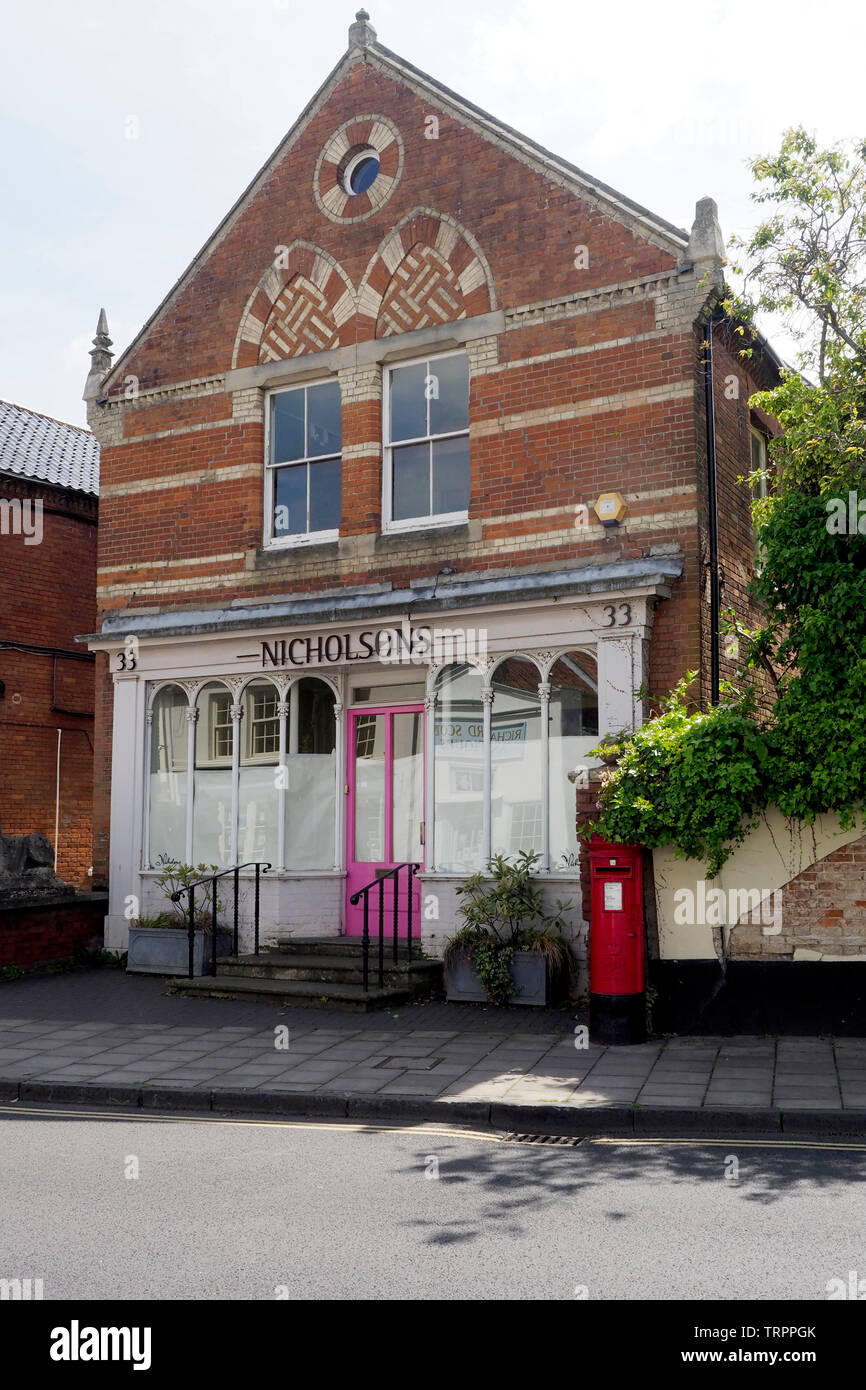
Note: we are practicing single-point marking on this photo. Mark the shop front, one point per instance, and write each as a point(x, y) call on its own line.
point(335, 750)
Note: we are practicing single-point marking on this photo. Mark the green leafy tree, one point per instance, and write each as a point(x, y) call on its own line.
point(697, 780)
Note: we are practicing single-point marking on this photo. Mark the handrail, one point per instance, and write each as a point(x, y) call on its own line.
point(260, 866)
point(365, 939)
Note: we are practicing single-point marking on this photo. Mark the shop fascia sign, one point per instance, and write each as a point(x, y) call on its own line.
point(406, 644)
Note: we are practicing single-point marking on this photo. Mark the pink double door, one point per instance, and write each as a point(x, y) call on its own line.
point(385, 824)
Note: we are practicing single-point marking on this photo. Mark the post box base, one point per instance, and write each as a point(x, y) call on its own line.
point(617, 1018)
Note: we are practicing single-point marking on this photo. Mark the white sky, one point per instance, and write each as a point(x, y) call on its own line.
point(663, 103)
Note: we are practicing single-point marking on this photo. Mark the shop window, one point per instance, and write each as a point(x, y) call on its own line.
point(458, 771)
point(310, 775)
point(303, 476)
point(258, 790)
point(426, 431)
point(515, 757)
point(169, 781)
point(573, 730)
point(212, 784)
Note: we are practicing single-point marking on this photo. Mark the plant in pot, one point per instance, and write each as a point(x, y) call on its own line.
point(509, 947)
point(159, 944)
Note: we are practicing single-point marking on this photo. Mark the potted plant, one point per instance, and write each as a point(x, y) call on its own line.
point(159, 944)
point(509, 949)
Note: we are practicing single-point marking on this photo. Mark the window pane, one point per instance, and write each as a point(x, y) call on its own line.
point(451, 475)
point(326, 501)
point(409, 402)
point(287, 426)
point(411, 481)
point(573, 723)
point(324, 429)
point(451, 410)
point(212, 816)
point(290, 500)
point(515, 735)
point(168, 775)
point(262, 722)
point(458, 745)
point(257, 815)
point(317, 725)
point(311, 769)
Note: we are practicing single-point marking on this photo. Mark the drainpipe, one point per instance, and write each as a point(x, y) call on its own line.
point(57, 800)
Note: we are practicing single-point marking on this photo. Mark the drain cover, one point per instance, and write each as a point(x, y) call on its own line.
point(410, 1063)
point(567, 1141)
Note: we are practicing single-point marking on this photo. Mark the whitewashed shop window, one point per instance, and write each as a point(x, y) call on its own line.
point(573, 729)
point(212, 778)
point(303, 473)
point(311, 772)
point(258, 790)
point(458, 771)
point(282, 772)
point(426, 433)
point(468, 826)
point(169, 780)
point(515, 757)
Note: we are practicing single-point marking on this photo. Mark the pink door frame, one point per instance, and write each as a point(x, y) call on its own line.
point(360, 873)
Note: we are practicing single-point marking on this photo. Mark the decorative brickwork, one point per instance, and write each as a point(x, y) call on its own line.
point(300, 321)
point(424, 290)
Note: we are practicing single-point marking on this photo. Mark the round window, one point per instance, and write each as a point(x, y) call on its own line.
point(360, 171)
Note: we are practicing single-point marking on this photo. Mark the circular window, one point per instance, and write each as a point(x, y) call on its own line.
point(360, 171)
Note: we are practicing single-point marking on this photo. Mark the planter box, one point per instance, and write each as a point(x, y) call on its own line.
point(528, 971)
point(165, 950)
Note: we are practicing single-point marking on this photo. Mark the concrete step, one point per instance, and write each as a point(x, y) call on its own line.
point(342, 946)
point(342, 969)
point(306, 992)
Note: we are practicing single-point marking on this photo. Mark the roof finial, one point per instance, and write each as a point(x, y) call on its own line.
point(361, 33)
point(100, 359)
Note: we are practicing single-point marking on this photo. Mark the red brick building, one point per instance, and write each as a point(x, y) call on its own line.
point(49, 479)
point(362, 599)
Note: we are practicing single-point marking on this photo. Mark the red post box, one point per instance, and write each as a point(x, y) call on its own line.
point(617, 1005)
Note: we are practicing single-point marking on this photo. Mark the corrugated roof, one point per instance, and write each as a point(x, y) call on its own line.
point(35, 446)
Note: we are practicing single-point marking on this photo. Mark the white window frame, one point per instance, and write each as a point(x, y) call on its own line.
point(422, 523)
point(298, 538)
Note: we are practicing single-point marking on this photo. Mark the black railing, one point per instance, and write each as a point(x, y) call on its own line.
point(379, 882)
point(261, 868)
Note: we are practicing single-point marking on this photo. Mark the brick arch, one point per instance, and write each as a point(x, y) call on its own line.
point(429, 269)
point(300, 304)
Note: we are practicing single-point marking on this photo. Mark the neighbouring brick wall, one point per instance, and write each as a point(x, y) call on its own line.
point(823, 910)
point(47, 598)
point(41, 932)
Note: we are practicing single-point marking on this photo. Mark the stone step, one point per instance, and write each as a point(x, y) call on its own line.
point(305, 992)
point(342, 946)
point(337, 969)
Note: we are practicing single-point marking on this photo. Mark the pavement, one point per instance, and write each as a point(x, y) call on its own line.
point(104, 1038)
